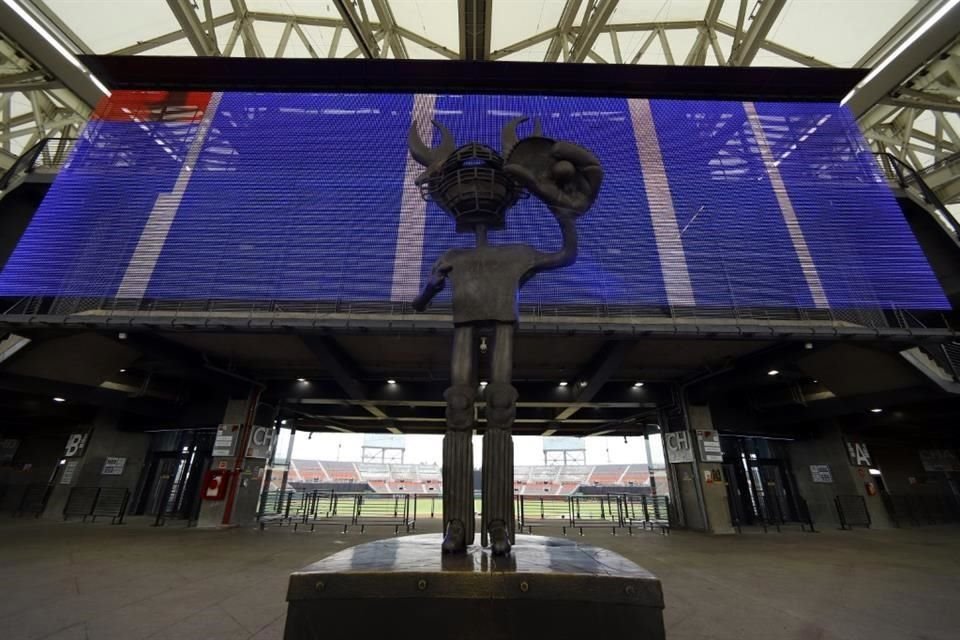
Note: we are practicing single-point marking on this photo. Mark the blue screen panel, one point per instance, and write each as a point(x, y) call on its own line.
point(309, 197)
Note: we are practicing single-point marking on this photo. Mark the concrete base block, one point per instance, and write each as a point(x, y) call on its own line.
point(404, 587)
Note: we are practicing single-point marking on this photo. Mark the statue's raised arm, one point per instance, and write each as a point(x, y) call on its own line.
point(567, 178)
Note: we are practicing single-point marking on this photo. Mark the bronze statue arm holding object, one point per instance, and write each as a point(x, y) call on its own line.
point(566, 178)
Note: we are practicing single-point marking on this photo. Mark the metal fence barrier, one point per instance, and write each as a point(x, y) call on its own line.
point(383, 510)
point(33, 500)
point(542, 511)
point(596, 511)
point(647, 512)
point(97, 502)
point(919, 510)
point(852, 511)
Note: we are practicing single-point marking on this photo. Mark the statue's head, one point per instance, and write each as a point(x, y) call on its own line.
point(468, 182)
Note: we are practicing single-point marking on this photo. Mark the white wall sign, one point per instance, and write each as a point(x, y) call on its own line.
point(113, 466)
point(226, 439)
point(678, 446)
point(821, 473)
point(710, 450)
point(76, 444)
point(939, 460)
point(8, 449)
point(69, 470)
point(261, 442)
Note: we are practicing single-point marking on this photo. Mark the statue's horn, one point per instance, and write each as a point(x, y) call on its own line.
point(508, 135)
point(424, 154)
point(448, 144)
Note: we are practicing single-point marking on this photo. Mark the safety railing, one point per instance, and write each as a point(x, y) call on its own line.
point(24, 499)
point(265, 314)
point(97, 502)
point(49, 153)
point(917, 510)
point(852, 511)
point(908, 179)
point(646, 512)
point(542, 511)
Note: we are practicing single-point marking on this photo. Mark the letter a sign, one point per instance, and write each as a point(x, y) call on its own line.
point(858, 454)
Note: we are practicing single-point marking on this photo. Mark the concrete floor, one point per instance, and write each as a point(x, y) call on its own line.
point(73, 580)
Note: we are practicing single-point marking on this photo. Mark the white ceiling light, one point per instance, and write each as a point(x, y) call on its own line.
point(773, 372)
point(301, 379)
point(637, 384)
point(916, 35)
point(483, 383)
point(59, 399)
point(876, 410)
point(391, 381)
point(56, 44)
point(563, 383)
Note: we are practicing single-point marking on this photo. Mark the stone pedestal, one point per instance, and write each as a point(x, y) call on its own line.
point(404, 588)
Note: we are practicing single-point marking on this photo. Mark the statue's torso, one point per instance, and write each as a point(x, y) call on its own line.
point(486, 281)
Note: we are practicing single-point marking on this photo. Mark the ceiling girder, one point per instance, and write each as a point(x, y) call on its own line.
point(773, 47)
point(558, 39)
point(594, 19)
point(167, 38)
point(606, 362)
point(389, 22)
point(193, 29)
point(251, 44)
point(336, 364)
point(354, 16)
point(475, 29)
point(35, 47)
point(765, 14)
point(698, 52)
point(902, 69)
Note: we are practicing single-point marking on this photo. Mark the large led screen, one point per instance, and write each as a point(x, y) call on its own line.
point(310, 197)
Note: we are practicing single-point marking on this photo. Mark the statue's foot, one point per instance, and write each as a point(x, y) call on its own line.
point(499, 538)
point(455, 540)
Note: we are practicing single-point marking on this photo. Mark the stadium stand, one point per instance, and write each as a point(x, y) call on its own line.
point(529, 480)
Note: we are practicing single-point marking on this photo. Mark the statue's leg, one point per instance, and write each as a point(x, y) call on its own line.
point(498, 520)
point(458, 509)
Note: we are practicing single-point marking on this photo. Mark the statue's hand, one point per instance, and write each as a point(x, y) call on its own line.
point(568, 184)
point(439, 273)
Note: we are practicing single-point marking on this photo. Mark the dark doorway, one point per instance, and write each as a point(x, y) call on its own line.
point(761, 489)
point(176, 463)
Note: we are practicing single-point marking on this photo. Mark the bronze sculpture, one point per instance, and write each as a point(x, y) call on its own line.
point(476, 186)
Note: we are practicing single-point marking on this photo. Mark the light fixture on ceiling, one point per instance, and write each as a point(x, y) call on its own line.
point(483, 383)
point(301, 379)
point(59, 399)
point(56, 44)
point(563, 383)
point(283, 422)
point(876, 410)
point(123, 370)
point(916, 35)
point(583, 383)
point(773, 372)
point(391, 381)
point(637, 385)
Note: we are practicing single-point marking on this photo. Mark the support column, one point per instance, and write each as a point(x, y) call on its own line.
point(104, 439)
point(709, 475)
point(244, 465)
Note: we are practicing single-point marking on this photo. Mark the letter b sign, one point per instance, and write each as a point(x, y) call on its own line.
point(75, 444)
